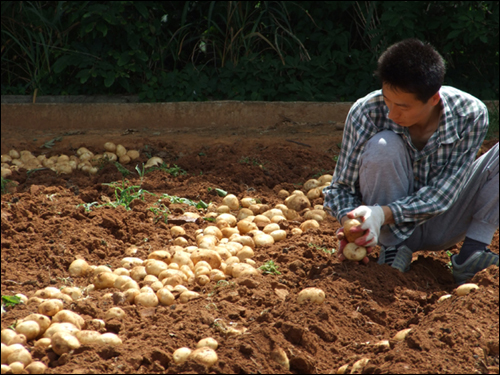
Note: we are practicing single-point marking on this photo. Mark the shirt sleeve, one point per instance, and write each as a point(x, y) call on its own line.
point(343, 195)
point(450, 176)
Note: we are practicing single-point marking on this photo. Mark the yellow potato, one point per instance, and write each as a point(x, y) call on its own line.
point(348, 224)
point(354, 252)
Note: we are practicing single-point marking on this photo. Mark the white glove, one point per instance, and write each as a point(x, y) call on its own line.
point(372, 218)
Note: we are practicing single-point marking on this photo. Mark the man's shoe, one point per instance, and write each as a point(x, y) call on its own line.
point(396, 257)
point(478, 261)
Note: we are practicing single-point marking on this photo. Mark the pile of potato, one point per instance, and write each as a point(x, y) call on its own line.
point(84, 160)
point(52, 327)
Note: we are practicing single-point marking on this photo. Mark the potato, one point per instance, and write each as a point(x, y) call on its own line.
point(279, 356)
point(104, 280)
point(36, 367)
point(111, 156)
point(146, 299)
point(74, 292)
point(314, 295)
point(50, 307)
point(165, 297)
point(7, 335)
point(465, 289)
point(64, 342)
point(43, 343)
point(443, 298)
point(283, 194)
point(202, 280)
point(87, 337)
point(217, 275)
point(245, 226)
point(109, 338)
point(208, 342)
point(133, 154)
point(354, 252)
point(278, 235)
point(401, 335)
point(263, 240)
point(154, 161)
point(271, 228)
point(309, 224)
point(130, 294)
point(19, 339)
point(213, 231)
point(67, 316)
point(42, 321)
point(187, 296)
point(100, 269)
point(348, 224)
point(110, 146)
point(231, 201)
point(16, 367)
point(228, 218)
point(30, 329)
point(245, 241)
point(209, 256)
point(177, 231)
point(58, 327)
point(138, 273)
point(247, 202)
point(325, 179)
point(48, 292)
point(243, 270)
point(297, 202)
point(124, 159)
point(155, 267)
point(358, 366)
point(115, 313)
point(181, 355)
point(245, 253)
point(120, 151)
point(204, 356)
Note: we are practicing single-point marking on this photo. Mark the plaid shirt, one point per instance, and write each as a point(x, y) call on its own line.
point(441, 169)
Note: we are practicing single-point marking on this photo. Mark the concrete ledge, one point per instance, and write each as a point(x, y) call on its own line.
point(179, 115)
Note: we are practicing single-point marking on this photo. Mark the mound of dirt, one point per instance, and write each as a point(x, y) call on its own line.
point(49, 220)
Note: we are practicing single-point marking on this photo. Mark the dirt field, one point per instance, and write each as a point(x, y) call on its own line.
point(43, 231)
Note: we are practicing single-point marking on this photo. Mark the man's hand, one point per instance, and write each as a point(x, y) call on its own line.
point(372, 218)
point(343, 242)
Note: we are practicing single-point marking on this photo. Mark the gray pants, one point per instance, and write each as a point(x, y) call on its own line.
point(386, 175)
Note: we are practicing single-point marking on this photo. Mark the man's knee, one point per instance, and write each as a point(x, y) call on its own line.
point(383, 146)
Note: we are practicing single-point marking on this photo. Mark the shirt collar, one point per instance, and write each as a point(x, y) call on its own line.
point(447, 130)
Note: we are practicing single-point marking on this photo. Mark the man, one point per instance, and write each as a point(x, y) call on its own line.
point(408, 170)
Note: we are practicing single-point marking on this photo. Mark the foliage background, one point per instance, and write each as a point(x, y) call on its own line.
point(236, 50)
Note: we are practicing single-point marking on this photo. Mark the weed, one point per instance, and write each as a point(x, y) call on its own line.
point(6, 184)
point(140, 172)
point(210, 219)
point(50, 144)
point(124, 171)
point(449, 264)
point(270, 268)
point(177, 200)
point(253, 161)
point(160, 212)
point(173, 171)
point(324, 249)
point(10, 301)
point(125, 194)
point(88, 206)
point(221, 284)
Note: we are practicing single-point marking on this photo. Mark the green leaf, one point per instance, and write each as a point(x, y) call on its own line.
point(61, 64)
point(109, 80)
point(142, 9)
point(124, 59)
point(453, 34)
point(222, 193)
point(11, 300)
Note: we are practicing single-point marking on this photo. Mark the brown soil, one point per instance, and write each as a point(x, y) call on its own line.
point(43, 231)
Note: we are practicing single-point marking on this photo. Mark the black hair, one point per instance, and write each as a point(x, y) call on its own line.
point(412, 66)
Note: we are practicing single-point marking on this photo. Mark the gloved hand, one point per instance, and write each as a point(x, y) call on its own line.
point(372, 218)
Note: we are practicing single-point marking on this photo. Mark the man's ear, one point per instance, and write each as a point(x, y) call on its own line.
point(435, 98)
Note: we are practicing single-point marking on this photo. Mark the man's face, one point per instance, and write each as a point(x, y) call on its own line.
point(405, 110)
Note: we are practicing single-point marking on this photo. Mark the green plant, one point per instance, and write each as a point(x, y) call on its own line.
point(6, 184)
point(125, 194)
point(221, 284)
point(449, 264)
point(160, 212)
point(270, 268)
point(220, 192)
point(177, 200)
point(174, 171)
point(324, 249)
point(10, 301)
point(124, 171)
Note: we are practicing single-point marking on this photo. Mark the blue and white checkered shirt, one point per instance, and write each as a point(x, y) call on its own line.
point(441, 169)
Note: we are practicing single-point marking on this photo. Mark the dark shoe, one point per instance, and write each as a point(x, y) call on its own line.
point(400, 261)
point(476, 262)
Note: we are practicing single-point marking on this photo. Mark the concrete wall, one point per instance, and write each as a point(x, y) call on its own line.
point(179, 115)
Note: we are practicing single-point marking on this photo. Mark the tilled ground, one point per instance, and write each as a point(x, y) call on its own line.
point(43, 230)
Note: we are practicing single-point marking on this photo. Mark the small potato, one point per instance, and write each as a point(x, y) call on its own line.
point(165, 297)
point(87, 337)
point(232, 202)
point(311, 184)
point(146, 299)
point(278, 235)
point(138, 273)
point(105, 280)
point(58, 327)
point(18, 339)
point(68, 316)
point(313, 194)
point(228, 218)
point(204, 356)
point(209, 256)
point(7, 335)
point(44, 342)
point(401, 335)
point(109, 338)
point(120, 151)
point(155, 267)
point(181, 355)
point(177, 231)
point(50, 307)
point(465, 289)
point(269, 228)
point(124, 159)
point(213, 231)
point(314, 295)
point(263, 240)
point(246, 226)
point(354, 252)
point(208, 342)
point(64, 342)
point(187, 296)
point(42, 321)
point(297, 202)
point(109, 146)
point(243, 270)
point(78, 268)
point(36, 367)
point(245, 253)
point(348, 224)
point(443, 298)
point(133, 154)
point(30, 329)
point(296, 231)
point(202, 280)
point(309, 224)
point(247, 202)
point(115, 313)
point(279, 356)
point(74, 292)
point(162, 255)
